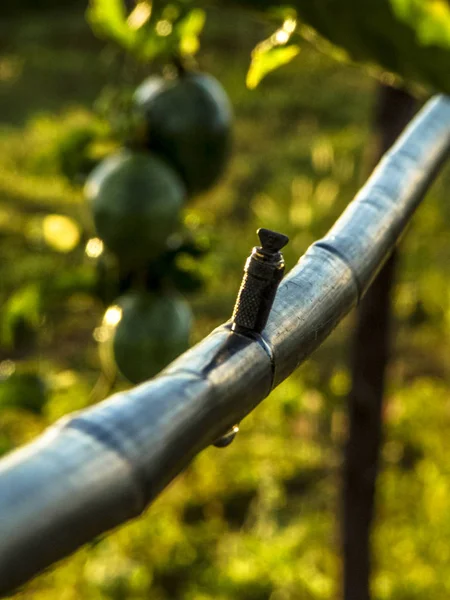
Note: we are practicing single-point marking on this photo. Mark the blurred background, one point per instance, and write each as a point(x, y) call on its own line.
point(259, 520)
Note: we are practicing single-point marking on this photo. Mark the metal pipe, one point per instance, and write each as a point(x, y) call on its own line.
point(100, 467)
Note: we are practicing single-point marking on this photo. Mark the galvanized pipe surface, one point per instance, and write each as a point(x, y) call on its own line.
point(100, 467)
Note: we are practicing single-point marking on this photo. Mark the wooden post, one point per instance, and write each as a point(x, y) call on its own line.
point(370, 355)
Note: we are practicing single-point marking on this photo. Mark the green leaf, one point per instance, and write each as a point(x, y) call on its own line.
point(23, 309)
point(108, 19)
point(429, 18)
point(410, 38)
point(193, 23)
point(27, 391)
point(148, 31)
point(266, 61)
point(189, 28)
point(149, 45)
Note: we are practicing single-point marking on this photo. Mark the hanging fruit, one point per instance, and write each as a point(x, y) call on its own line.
point(151, 331)
point(187, 121)
point(179, 143)
point(136, 199)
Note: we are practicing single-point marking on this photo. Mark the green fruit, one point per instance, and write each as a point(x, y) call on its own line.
point(152, 331)
point(23, 390)
point(136, 200)
point(189, 123)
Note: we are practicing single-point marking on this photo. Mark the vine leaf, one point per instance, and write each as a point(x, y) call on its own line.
point(22, 313)
point(272, 53)
point(189, 30)
point(267, 61)
point(430, 19)
point(151, 29)
point(108, 19)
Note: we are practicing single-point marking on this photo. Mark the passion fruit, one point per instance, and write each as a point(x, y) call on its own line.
point(152, 331)
point(188, 122)
point(136, 200)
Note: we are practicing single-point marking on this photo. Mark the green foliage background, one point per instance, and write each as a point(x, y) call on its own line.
point(259, 519)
